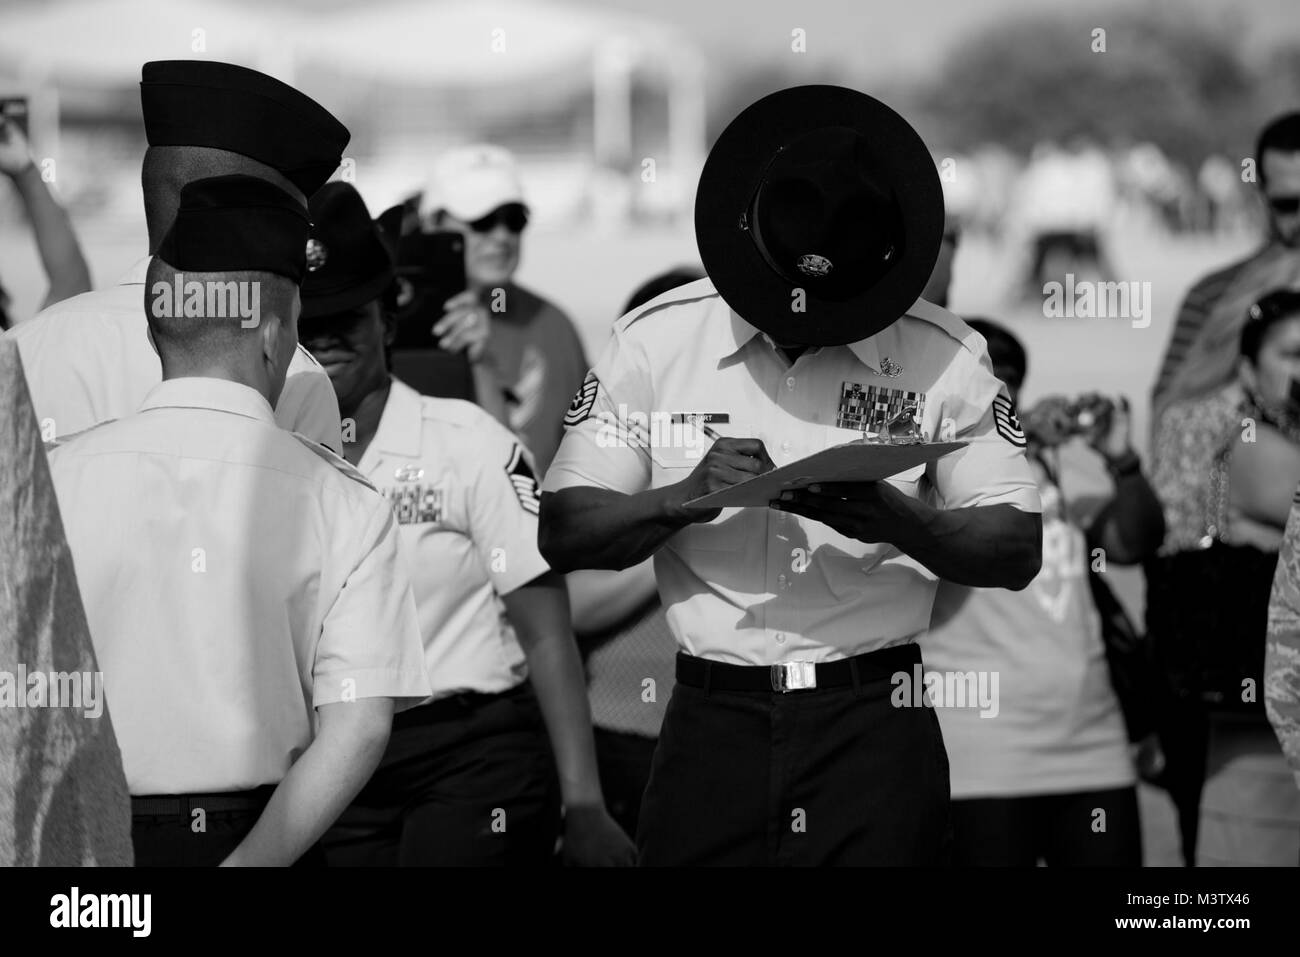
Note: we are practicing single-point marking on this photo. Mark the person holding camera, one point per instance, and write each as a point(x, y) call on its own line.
point(533, 349)
point(1043, 771)
point(1227, 465)
point(470, 775)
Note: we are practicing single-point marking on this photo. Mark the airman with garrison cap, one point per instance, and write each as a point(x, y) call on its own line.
point(242, 584)
point(88, 358)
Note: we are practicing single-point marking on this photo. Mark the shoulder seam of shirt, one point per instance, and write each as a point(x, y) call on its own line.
point(657, 306)
point(340, 464)
point(943, 319)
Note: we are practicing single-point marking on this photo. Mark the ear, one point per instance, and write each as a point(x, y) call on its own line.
point(272, 330)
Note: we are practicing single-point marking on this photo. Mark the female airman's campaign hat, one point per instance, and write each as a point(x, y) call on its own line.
point(228, 107)
point(237, 223)
point(348, 263)
point(819, 215)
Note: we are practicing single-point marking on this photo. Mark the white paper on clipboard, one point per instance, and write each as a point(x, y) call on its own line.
point(852, 462)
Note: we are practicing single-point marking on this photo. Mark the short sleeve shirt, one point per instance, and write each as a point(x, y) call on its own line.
point(88, 360)
point(465, 497)
point(758, 586)
point(235, 577)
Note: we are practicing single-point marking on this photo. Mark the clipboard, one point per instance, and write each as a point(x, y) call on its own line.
point(851, 462)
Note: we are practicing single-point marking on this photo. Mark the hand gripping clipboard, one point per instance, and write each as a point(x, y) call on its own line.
point(852, 462)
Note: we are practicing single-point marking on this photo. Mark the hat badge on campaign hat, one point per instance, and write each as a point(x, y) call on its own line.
point(317, 254)
point(348, 264)
point(819, 215)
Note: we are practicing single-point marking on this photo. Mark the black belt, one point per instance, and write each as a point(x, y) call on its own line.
point(456, 705)
point(796, 675)
point(220, 802)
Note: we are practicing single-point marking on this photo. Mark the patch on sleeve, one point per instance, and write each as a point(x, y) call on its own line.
point(580, 407)
point(1004, 417)
point(524, 482)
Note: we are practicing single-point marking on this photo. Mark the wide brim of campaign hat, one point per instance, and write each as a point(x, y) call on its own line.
point(348, 261)
point(733, 172)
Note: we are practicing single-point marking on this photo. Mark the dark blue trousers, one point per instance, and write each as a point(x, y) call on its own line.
point(834, 776)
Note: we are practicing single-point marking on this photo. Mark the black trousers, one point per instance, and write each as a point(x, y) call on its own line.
point(181, 837)
point(833, 776)
point(1060, 829)
point(623, 760)
point(466, 781)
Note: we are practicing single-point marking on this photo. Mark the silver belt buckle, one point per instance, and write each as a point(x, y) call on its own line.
point(794, 676)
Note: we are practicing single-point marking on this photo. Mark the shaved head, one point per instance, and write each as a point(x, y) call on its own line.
point(237, 325)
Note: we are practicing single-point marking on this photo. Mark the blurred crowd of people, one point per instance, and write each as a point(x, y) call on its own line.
point(544, 693)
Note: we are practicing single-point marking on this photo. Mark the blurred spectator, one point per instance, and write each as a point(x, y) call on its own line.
point(625, 639)
point(1063, 205)
point(1201, 355)
point(1220, 184)
point(533, 349)
point(1028, 777)
point(1225, 467)
point(1282, 654)
point(65, 267)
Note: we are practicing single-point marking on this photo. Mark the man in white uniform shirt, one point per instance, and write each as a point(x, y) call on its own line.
point(243, 585)
point(88, 358)
point(819, 217)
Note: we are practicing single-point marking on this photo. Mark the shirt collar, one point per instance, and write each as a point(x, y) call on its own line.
point(738, 332)
point(135, 276)
point(401, 423)
point(222, 395)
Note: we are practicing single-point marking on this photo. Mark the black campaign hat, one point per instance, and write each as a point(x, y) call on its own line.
point(827, 191)
point(237, 223)
point(228, 107)
point(348, 261)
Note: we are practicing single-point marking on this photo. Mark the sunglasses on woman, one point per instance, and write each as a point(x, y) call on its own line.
point(1285, 205)
point(513, 216)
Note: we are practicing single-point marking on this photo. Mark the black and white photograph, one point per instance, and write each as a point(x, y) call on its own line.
point(545, 435)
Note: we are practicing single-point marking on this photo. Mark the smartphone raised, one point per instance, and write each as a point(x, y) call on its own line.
point(431, 269)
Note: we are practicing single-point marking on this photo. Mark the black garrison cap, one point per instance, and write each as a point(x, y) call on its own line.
point(228, 107)
point(237, 223)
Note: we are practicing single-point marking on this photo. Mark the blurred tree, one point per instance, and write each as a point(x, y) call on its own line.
point(1166, 77)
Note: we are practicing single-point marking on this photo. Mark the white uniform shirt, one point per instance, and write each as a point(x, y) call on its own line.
point(235, 577)
point(88, 359)
point(759, 586)
point(463, 490)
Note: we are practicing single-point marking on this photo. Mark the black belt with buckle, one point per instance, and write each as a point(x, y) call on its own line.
point(796, 675)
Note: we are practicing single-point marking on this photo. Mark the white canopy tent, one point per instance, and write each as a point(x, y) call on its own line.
point(104, 42)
